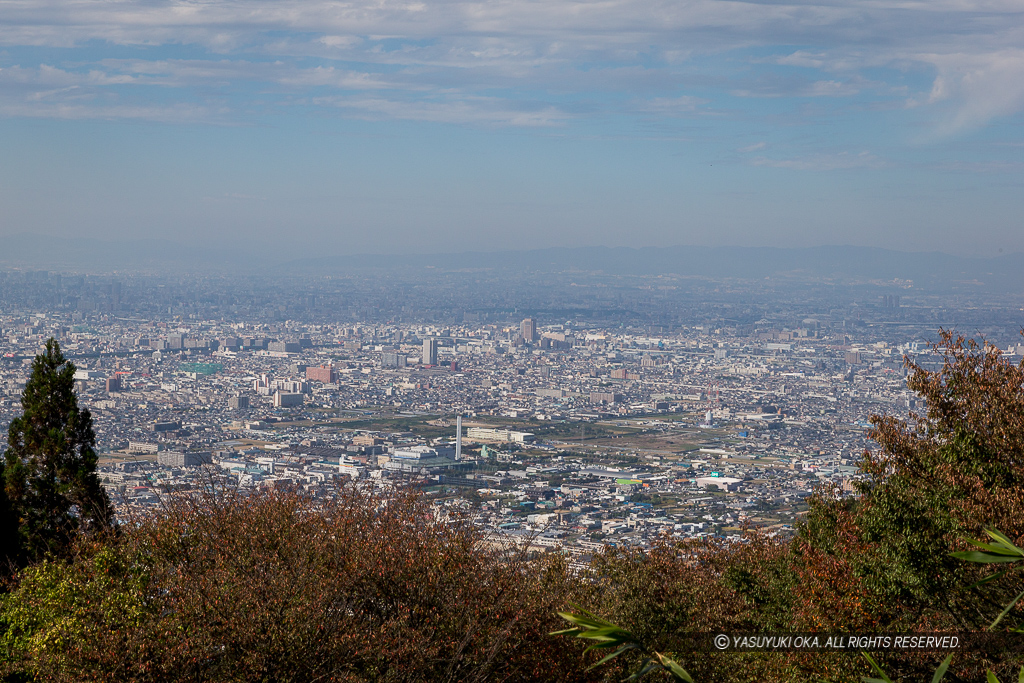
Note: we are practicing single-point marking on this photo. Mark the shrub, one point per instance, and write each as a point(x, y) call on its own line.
point(283, 586)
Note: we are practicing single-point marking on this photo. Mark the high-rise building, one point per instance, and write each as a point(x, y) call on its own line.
point(179, 459)
point(429, 352)
point(392, 359)
point(528, 330)
point(284, 347)
point(287, 400)
point(238, 402)
point(324, 373)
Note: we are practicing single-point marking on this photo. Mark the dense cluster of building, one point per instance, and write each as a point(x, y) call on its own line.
point(558, 433)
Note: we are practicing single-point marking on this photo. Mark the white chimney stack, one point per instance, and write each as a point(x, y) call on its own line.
point(458, 437)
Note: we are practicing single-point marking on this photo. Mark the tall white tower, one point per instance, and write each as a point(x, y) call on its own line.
point(458, 437)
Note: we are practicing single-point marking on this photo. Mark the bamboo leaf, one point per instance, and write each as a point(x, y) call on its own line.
point(608, 632)
point(993, 547)
point(606, 645)
point(624, 648)
point(567, 632)
point(586, 621)
point(984, 557)
point(991, 577)
point(874, 665)
point(1002, 540)
point(648, 668)
point(678, 672)
point(590, 615)
point(940, 673)
point(1006, 610)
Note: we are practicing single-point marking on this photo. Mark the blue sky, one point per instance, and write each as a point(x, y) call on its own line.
point(438, 126)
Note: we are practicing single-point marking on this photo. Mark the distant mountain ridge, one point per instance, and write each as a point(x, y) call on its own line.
point(842, 264)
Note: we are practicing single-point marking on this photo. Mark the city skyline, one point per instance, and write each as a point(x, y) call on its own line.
point(459, 126)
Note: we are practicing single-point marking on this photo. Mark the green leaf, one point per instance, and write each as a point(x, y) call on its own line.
point(1002, 540)
point(585, 620)
point(991, 677)
point(678, 672)
point(1006, 610)
point(940, 673)
point(589, 614)
point(624, 648)
point(984, 558)
point(648, 667)
point(991, 577)
point(874, 665)
point(567, 632)
point(611, 636)
point(1001, 548)
point(1020, 677)
point(608, 632)
point(607, 645)
point(595, 634)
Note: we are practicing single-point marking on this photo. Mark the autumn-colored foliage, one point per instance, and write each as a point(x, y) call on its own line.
point(285, 587)
point(882, 560)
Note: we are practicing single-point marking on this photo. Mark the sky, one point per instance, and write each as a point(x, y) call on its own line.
point(321, 127)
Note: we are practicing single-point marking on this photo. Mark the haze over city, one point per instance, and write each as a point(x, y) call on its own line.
point(391, 127)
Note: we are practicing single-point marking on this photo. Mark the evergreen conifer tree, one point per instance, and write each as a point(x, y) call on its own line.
point(49, 474)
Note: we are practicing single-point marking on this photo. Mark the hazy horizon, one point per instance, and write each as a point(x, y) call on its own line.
point(302, 252)
point(932, 271)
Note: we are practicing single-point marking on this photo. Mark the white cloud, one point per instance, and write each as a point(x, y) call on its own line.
point(831, 89)
point(472, 46)
point(177, 113)
point(672, 106)
point(776, 86)
point(979, 87)
point(467, 110)
point(801, 58)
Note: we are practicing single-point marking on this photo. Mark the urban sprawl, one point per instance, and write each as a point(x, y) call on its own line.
point(559, 434)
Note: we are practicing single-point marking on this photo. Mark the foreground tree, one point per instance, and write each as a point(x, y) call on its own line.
point(49, 474)
point(883, 559)
point(279, 585)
